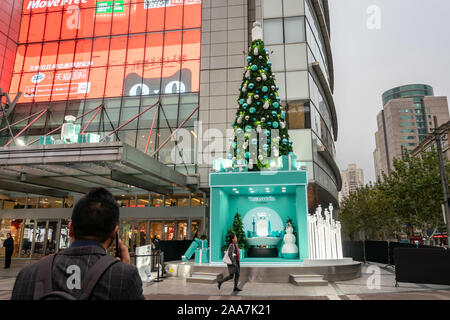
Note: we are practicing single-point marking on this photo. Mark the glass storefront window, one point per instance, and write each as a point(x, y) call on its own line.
point(170, 202)
point(125, 200)
point(19, 203)
point(39, 240)
point(125, 235)
point(156, 229)
point(64, 238)
point(12, 226)
point(157, 200)
point(33, 202)
point(139, 234)
point(196, 229)
point(27, 238)
point(51, 237)
point(197, 200)
point(177, 200)
point(142, 200)
point(183, 200)
point(50, 202)
point(8, 204)
point(169, 230)
point(182, 230)
point(68, 202)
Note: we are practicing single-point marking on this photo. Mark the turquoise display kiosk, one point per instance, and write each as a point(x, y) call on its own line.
point(266, 200)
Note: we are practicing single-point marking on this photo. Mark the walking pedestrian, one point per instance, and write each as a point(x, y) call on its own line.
point(235, 268)
point(9, 249)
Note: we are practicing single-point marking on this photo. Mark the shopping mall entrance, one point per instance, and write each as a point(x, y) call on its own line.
point(48, 231)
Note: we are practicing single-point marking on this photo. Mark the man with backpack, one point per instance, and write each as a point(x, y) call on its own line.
point(84, 271)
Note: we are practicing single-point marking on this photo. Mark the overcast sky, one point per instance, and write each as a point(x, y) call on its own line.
point(412, 46)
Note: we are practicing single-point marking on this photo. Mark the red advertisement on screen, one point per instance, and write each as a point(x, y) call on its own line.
point(99, 55)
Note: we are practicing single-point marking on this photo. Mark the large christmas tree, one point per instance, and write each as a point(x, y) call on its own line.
point(259, 111)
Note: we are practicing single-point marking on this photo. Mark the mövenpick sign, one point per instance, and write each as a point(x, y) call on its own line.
point(36, 4)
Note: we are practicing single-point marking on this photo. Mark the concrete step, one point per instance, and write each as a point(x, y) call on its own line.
point(204, 277)
point(307, 280)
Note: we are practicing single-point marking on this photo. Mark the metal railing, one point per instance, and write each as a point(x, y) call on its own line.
point(157, 263)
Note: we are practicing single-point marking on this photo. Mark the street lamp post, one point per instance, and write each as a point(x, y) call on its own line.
point(437, 137)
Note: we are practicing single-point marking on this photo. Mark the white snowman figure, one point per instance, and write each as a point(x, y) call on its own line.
point(289, 249)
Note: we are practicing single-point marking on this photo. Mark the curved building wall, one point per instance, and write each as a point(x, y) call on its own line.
point(408, 91)
point(300, 48)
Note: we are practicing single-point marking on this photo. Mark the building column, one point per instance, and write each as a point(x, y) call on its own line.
point(189, 228)
point(45, 237)
point(58, 232)
point(33, 240)
point(190, 199)
point(22, 230)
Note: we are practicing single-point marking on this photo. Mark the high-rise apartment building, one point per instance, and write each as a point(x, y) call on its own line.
point(352, 179)
point(107, 62)
point(406, 119)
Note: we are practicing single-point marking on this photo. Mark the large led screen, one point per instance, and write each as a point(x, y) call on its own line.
point(76, 49)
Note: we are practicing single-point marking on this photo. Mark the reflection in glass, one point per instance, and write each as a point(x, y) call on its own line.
point(27, 238)
point(51, 237)
point(39, 240)
point(125, 235)
point(12, 226)
point(169, 230)
point(139, 234)
point(196, 229)
point(299, 115)
point(156, 230)
point(64, 238)
point(182, 230)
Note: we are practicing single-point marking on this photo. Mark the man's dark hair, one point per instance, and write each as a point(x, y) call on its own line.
point(95, 215)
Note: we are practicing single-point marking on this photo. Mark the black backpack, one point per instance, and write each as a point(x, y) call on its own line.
point(43, 288)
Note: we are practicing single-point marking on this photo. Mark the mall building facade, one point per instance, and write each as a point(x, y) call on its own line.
point(132, 72)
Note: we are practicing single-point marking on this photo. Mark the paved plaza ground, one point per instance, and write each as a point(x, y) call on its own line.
point(179, 289)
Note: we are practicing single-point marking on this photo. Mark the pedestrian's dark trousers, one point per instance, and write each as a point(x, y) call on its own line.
point(8, 260)
point(234, 271)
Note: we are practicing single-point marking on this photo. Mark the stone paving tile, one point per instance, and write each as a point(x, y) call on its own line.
point(175, 288)
point(424, 295)
point(183, 297)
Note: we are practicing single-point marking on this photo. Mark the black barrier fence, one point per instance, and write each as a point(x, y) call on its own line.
point(353, 249)
point(393, 245)
point(173, 249)
point(422, 265)
point(376, 251)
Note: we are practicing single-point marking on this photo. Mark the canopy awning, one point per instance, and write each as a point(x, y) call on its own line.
point(55, 170)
